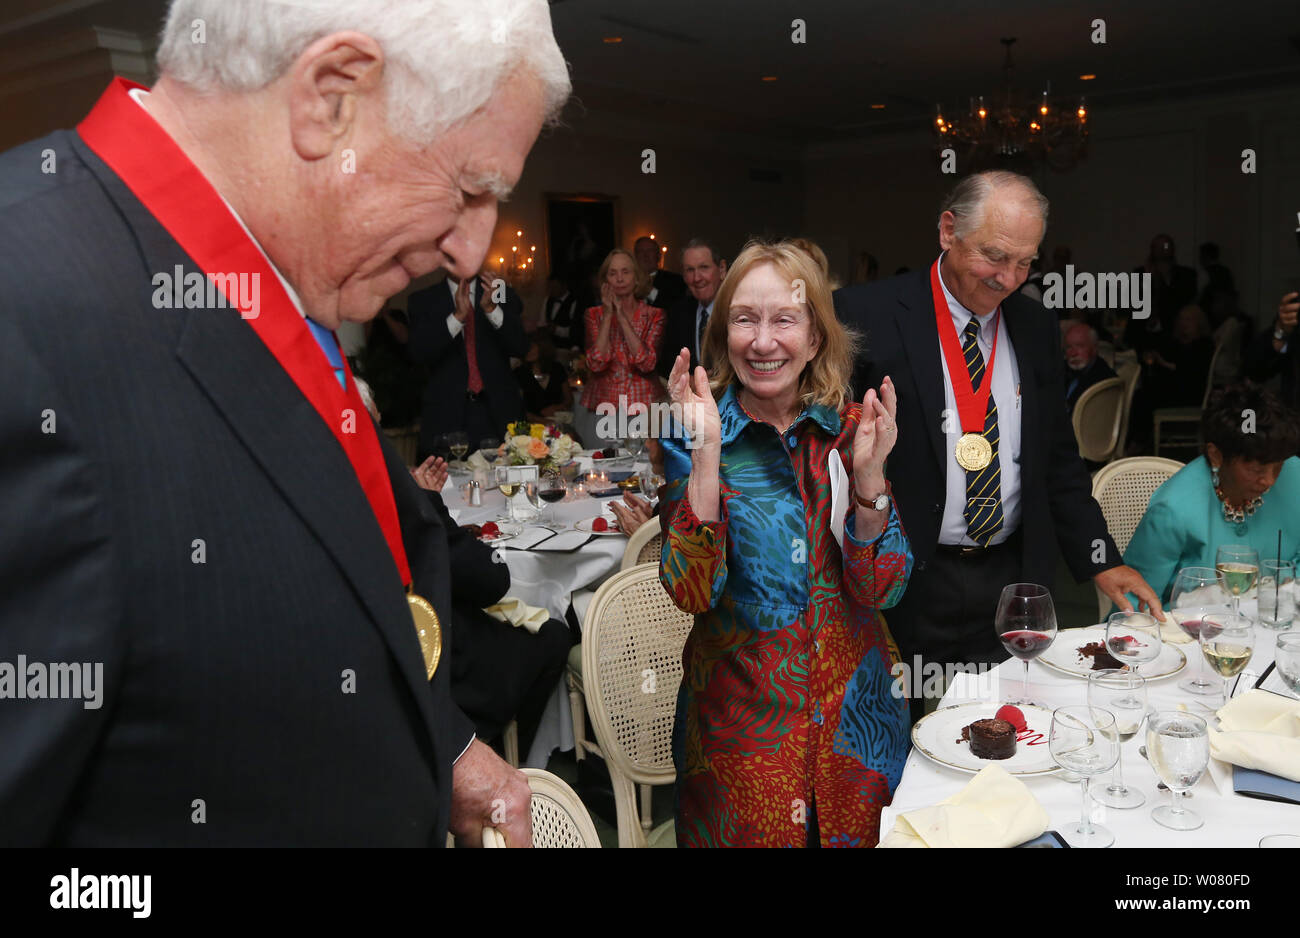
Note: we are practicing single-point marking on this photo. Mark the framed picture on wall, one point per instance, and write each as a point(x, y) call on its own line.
point(581, 228)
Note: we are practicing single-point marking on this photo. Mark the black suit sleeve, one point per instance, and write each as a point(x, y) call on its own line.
point(430, 341)
point(59, 600)
point(477, 579)
point(511, 337)
point(1262, 360)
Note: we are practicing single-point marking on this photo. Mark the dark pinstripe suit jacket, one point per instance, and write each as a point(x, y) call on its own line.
point(176, 439)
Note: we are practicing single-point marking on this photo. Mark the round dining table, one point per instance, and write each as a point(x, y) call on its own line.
point(552, 580)
point(1231, 819)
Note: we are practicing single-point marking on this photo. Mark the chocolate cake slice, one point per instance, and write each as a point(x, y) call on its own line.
point(1102, 659)
point(992, 739)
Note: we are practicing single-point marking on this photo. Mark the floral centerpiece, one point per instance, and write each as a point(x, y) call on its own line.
point(528, 444)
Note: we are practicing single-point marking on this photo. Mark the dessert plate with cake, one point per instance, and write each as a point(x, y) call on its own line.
point(1079, 652)
point(969, 736)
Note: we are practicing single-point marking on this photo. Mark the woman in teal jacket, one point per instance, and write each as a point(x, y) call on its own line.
point(1243, 490)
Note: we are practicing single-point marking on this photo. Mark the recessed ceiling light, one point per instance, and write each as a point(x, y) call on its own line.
point(769, 78)
point(877, 107)
point(1087, 77)
point(613, 39)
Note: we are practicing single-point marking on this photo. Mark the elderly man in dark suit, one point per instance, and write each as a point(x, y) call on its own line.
point(987, 478)
point(216, 524)
point(1083, 366)
point(475, 393)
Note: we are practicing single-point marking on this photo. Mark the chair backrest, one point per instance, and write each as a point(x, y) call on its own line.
point(631, 668)
point(1123, 489)
point(1096, 419)
point(1209, 375)
point(644, 546)
point(559, 817)
point(1128, 371)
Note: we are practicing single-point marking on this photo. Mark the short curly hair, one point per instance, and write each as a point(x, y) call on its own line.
point(1245, 421)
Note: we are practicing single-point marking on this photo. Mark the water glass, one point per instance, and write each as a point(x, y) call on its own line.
point(1276, 594)
point(1178, 747)
point(1286, 656)
point(1133, 638)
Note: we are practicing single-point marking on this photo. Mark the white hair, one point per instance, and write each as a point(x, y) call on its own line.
point(443, 58)
point(969, 197)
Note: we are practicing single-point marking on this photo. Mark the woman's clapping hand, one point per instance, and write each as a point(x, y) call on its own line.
point(699, 409)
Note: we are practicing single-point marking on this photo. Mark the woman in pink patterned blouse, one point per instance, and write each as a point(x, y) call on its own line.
point(623, 335)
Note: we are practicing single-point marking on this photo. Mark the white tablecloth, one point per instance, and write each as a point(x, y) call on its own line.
point(548, 580)
point(1230, 820)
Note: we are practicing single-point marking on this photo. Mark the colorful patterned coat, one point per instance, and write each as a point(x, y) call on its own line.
point(786, 692)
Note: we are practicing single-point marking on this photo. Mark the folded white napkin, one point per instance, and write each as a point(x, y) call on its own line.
point(1259, 730)
point(840, 497)
point(518, 613)
point(995, 809)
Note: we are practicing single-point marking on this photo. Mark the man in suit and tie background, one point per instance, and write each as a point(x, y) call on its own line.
point(466, 339)
point(666, 287)
point(1083, 366)
point(1000, 519)
point(561, 315)
point(219, 527)
point(704, 269)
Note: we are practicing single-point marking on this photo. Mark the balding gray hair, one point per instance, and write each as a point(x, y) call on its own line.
point(444, 59)
point(968, 198)
point(703, 243)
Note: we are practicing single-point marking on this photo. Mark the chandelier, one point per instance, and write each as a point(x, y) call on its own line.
point(1012, 133)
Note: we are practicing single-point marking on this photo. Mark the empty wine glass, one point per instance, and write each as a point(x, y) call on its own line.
point(1197, 591)
point(1178, 748)
point(1229, 649)
point(1133, 638)
point(1275, 595)
point(1084, 740)
point(487, 448)
point(1239, 565)
point(1286, 655)
point(1124, 694)
point(1026, 625)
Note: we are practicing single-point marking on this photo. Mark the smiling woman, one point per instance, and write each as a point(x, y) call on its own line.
point(782, 539)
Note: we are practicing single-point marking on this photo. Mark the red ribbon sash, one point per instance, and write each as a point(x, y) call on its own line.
point(972, 405)
point(177, 194)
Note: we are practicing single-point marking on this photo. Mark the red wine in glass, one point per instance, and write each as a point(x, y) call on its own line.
point(1026, 644)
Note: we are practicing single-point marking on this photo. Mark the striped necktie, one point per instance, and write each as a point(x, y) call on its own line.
point(983, 486)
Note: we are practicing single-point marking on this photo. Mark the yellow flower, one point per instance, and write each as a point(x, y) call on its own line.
point(536, 430)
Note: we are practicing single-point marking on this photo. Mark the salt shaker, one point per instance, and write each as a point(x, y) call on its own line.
point(475, 493)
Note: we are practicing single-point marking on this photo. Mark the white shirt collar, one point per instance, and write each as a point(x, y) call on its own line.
point(138, 95)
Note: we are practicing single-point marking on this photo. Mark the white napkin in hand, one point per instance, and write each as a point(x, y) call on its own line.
point(840, 497)
point(994, 810)
point(1259, 731)
point(518, 613)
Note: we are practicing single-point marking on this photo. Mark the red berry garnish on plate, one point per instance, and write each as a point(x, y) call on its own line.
point(1013, 716)
point(490, 530)
point(600, 524)
point(597, 455)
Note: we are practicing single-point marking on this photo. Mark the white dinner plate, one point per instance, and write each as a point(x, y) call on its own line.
point(585, 527)
point(1063, 655)
point(937, 737)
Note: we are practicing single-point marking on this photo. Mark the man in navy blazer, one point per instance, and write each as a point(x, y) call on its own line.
point(1039, 498)
point(176, 515)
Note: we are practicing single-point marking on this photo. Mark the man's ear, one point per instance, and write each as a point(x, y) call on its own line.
point(947, 230)
point(328, 84)
point(722, 266)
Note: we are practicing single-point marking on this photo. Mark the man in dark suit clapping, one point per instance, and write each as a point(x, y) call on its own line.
point(988, 481)
point(466, 332)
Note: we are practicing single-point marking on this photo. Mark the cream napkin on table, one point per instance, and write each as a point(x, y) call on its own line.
point(518, 613)
point(995, 809)
point(1259, 730)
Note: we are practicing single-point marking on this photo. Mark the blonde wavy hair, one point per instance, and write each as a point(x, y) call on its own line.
point(825, 379)
point(641, 279)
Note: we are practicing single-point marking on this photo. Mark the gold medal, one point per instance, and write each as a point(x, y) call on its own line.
point(973, 452)
point(428, 629)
